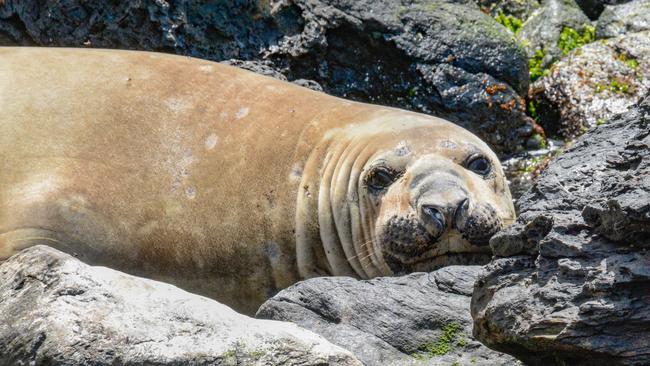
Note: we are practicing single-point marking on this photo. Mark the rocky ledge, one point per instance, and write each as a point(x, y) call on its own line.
point(419, 319)
point(570, 284)
point(59, 311)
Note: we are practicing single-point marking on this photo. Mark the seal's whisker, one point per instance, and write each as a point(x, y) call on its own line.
point(363, 245)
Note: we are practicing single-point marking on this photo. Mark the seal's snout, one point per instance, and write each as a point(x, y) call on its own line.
point(438, 218)
point(434, 220)
point(479, 224)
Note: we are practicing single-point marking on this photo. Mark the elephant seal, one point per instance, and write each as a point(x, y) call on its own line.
point(227, 183)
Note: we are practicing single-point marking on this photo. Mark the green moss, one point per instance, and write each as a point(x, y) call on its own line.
point(442, 346)
point(413, 92)
point(257, 354)
point(472, 360)
point(535, 65)
point(631, 62)
point(571, 39)
point(618, 87)
point(229, 353)
point(600, 121)
point(539, 140)
point(461, 342)
point(512, 23)
point(599, 88)
point(532, 110)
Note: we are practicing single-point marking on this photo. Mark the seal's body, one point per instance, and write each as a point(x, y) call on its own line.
point(228, 183)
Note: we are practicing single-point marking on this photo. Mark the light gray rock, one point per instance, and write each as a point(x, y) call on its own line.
point(543, 28)
point(419, 319)
point(626, 18)
point(59, 311)
point(570, 284)
point(594, 83)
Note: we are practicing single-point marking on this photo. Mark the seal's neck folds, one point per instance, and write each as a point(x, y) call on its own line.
point(334, 218)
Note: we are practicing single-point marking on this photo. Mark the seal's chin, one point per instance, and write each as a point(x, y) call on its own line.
point(407, 246)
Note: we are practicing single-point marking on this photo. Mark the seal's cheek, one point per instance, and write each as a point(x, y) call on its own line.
point(479, 224)
point(398, 229)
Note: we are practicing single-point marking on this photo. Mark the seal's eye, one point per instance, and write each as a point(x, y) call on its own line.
point(380, 178)
point(479, 165)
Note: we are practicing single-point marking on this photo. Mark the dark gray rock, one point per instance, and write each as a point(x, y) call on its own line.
point(420, 319)
point(520, 9)
point(626, 18)
point(433, 56)
point(59, 311)
point(594, 8)
point(542, 30)
point(570, 283)
point(593, 83)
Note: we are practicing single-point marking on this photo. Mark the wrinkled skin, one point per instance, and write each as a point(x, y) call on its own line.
point(227, 183)
point(424, 211)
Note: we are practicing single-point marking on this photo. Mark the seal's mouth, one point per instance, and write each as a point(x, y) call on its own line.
point(407, 245)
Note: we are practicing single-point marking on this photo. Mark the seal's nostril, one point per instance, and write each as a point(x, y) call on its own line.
point(434, 216)
point(463, 205)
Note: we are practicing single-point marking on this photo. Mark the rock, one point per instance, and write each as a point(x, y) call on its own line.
point(264, 67)
point(59, 311)
point(594, 83)
point(594, 8)
point(570, 283)
point(421, 319)
point(626, 18)
point(541, 32)
point(520, 9)
point(441, 57)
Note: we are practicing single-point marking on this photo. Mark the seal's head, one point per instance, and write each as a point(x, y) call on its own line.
point(410, 193)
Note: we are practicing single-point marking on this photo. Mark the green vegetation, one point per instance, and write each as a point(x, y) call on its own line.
point(541, 141)
point(442, 346)
point(631, 62)
point(600, 121)
point(571, 39)
point(532, 110)
point(615, 86)
point(413, 92)
point(530, 165)
point(257, 354)
point(535, 65)
point(229, 353)
point(618, 87)
point(512, 23)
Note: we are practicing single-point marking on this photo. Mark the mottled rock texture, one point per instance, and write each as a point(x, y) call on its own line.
point(432, 56)
point(520, 9)
point(626, 18)
point(570, 283)
point(541, 32)
point(593, 83)
point(59, 311)
point(419, 319)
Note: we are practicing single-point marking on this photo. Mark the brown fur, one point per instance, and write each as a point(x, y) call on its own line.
point(174, 168)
